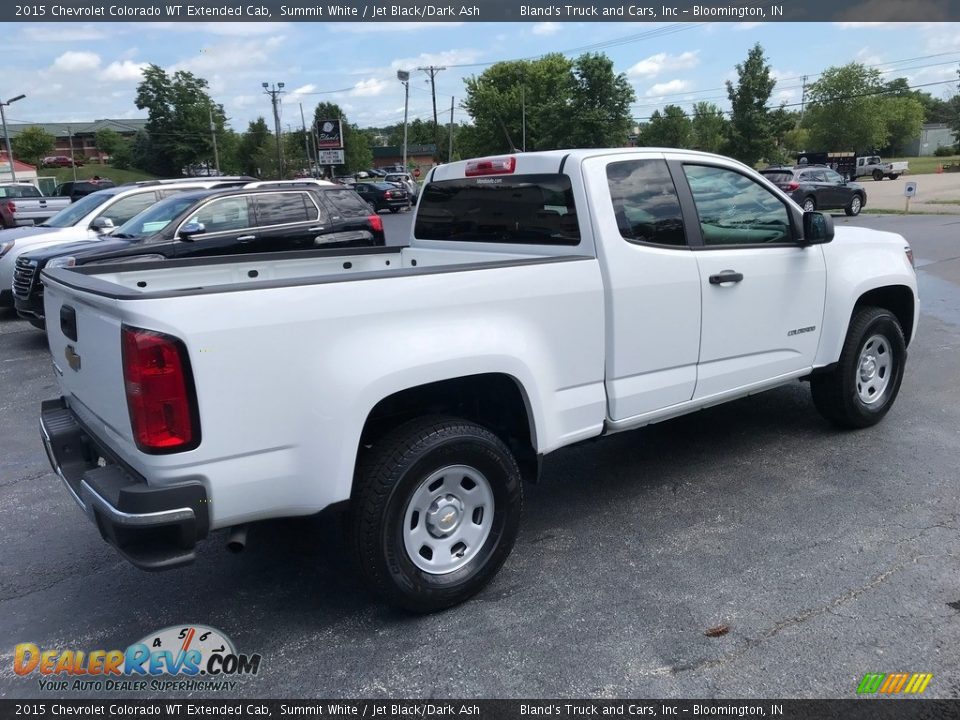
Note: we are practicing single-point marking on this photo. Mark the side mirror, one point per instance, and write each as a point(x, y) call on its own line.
point(102, 224)
point(817, 228)
point(188, 231)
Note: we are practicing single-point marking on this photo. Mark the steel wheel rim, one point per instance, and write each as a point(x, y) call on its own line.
point(855, 204)
point(874, 370)
point(448, 519)
point(809, 206)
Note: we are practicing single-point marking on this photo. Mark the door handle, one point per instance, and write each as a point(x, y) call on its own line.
point(246, 238)
point(318, 228)
point(727, 276)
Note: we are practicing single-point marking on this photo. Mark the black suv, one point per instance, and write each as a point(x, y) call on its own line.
point(203, 223)
point(383, 195)
point(81, 188)
point(817, 187)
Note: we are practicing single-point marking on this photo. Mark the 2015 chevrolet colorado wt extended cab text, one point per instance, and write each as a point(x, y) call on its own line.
point(544, 299)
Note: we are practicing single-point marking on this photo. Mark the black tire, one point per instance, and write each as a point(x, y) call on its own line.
point(878, 174)
point(811, 201)
point(855, 205)
point(390, 475)
point(394, 210)
point(893, 176)
point(836, 394)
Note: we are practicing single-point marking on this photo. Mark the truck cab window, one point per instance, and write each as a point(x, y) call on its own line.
point(735, 210)
point(645, 202)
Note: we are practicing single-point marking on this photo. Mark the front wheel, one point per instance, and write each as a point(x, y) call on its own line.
point(855, 206)
point(435, 512)
point(864, 384)
point(893, 176)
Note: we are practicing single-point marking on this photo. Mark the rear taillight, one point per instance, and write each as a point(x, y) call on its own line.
point(11, 207)
point(388, 194)
point(790, 187)
point(909, 251)
point(493, 166)
point(376, 222)
point(160, 393)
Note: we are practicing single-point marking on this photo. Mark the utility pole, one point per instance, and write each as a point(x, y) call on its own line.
point(213, 135)
point(73, 163)
point(803, 98)
point(523, 115)
point(275, 92)
point(6, 135)
point(404, 77)
point(432, 71)
point(450, 133)
point(306, 145)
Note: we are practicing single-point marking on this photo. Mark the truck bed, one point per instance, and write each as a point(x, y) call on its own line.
point(234, 273)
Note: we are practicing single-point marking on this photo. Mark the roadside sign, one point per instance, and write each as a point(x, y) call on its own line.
point(330, 157)
point(910, 189)
point(416, 172)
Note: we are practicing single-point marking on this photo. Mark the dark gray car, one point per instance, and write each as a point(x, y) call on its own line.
point(817, 187)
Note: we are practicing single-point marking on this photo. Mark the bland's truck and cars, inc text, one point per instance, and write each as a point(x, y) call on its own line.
point(544, 299)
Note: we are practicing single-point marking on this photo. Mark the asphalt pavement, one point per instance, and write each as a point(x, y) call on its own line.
point(826, 554)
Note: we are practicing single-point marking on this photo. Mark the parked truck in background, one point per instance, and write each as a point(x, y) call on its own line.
point(21, 203)
point(851, 166)
point(544, 299)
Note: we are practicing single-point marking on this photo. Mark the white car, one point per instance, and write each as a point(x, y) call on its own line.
point(545, 298)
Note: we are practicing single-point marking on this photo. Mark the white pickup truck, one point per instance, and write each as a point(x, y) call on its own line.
point(876, 168)
point(544, 299)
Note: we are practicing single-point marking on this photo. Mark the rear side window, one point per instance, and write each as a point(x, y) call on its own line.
point(284, 209)
point(347, 202)
point(645, 202)
point(223, 214)
point(778, 178)
point(534, 209)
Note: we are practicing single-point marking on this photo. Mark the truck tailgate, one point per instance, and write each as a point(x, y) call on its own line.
point(84, 339)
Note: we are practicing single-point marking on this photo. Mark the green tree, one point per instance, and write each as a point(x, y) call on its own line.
point(846, 110)
point(751, 134)
point(107, 141)
point(547, 103)
point(708, 127)
point(122, 155)
point(256, 152)
point(32, 144)
point(904, 120)
point(178, 126)
point(954, 115)
point(671, 129)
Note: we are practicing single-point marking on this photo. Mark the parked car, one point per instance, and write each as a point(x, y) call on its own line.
point(818, 188)
point(545, 298)
point(21, 203)
point(81, 188)
point(383, 195)
point(345, 179)
point(204, 223)
point(92, 217)
point(405, 181)
point(54, 161)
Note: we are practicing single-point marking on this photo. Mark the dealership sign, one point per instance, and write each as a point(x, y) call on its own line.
point(330, 134)
point(330, 157)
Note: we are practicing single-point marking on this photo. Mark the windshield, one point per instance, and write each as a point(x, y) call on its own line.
point(71, 215)
point(155, 218)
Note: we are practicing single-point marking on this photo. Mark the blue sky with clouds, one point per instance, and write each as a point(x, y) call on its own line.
point(79, 72)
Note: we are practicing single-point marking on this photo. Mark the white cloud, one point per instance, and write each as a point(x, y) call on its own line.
point(124, 71)
point(668, 88)
point(368, 88)
point(232, 29)
point(372, 27)
point(229, 56)
point(62, 33)
point(76, 61)
point(546, 28)
point(746, 26)
point(663, 62)
point(445, 58)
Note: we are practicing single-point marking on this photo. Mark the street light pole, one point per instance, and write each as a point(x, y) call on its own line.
point(404, 77)
point(6, 135)
point(274, 94)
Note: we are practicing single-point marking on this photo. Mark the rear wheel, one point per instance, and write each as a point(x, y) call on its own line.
point(809, 204)
point(878, 174)
point(855, 206)
point(435, 512)
point(863, 386)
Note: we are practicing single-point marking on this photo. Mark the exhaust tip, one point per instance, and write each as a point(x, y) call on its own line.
point(237, 539)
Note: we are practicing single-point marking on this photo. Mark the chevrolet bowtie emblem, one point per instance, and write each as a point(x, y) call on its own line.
point(73, 360)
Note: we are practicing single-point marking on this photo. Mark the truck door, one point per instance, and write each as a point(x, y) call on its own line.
point(652, 286)
point(763, 293)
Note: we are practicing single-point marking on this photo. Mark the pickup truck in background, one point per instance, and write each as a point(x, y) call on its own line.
point(544, 299)
point(21, 203)
point(876, 168)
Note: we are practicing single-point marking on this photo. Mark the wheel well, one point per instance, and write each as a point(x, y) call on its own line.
point(898, 299)
point(493, 400)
